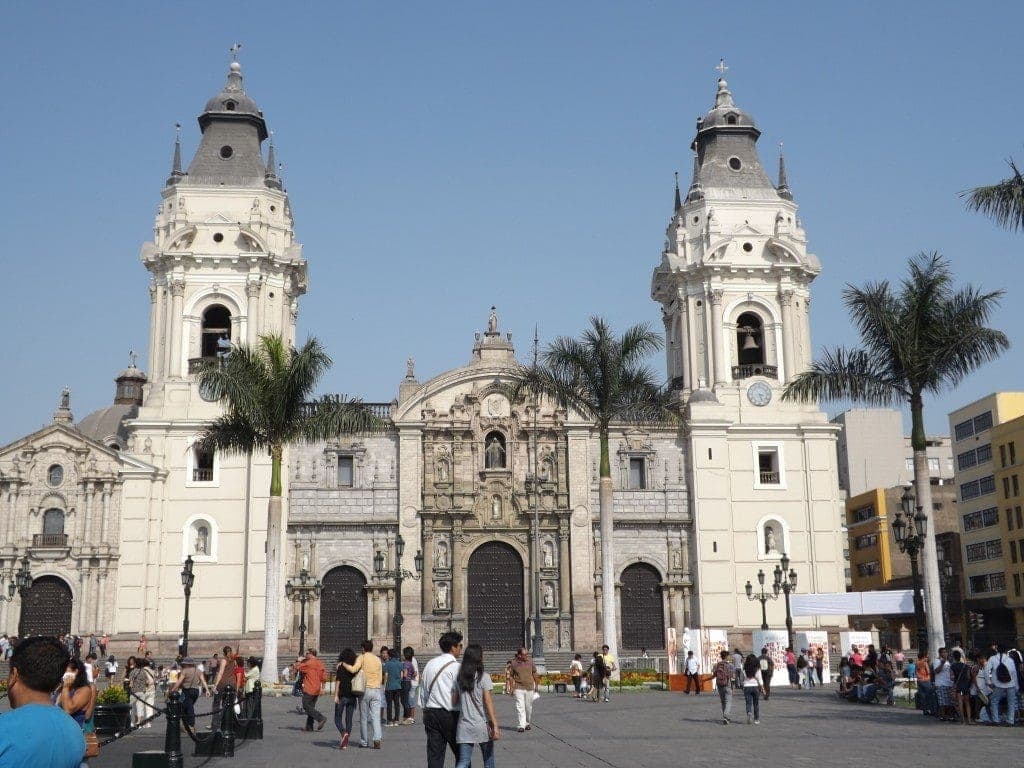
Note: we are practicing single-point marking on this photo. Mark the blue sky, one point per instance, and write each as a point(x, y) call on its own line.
point(444, 157)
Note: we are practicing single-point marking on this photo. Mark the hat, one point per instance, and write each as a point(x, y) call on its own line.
point(188, 661)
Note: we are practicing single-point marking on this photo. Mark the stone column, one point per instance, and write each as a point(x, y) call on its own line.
point(107, 489)
point(692, 334)
point(374, 613)
point(618, 612)
point(82, 513)
point(718, 355)
point(789, 364)
point(456, 602)
point(87, 525)
point(683, 335)
point(600, 612)
point(176, 320)
point(12, 508)
point(101, 580)
point(564, 568)
point(155, 316)
point(252, 289)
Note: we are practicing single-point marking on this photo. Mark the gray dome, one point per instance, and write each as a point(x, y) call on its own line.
point(725, 112)
point(233, 103)
point(106, 426)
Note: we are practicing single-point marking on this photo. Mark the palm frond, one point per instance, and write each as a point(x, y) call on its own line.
point(330, 417)
point(1002, 202)
point(232, 433)
point(847, 374)
point(306, 367)
point(552, 383)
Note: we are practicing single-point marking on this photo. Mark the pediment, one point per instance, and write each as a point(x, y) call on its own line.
point(218, 218)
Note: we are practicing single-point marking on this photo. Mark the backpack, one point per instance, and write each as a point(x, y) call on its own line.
point(722, 674)
point(1002, 671)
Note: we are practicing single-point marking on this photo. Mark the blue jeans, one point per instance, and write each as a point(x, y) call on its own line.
point(1003, 694)
point(369, 714)
point(466, 753)
point(343, 712)
point(752, 698)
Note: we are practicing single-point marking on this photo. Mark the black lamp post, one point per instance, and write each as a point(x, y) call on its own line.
point(188, 578)
point(399, 574)
point(910, 540)
point(762, 596)
point(785, 583)
point(946, 574)
point(23, 578)
point(303, 588)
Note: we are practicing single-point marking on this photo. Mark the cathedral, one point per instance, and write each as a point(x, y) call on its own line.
point(496, 501)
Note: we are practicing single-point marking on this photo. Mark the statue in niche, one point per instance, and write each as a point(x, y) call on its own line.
point(492, 321)
point(442, 470)
point(202, 541)
point(549, 555)
point(441, 595)
point(549, 596)
point(546, 467)
point(494, 454)
point(769, 540)
point(496, 508)
point(441, 557)
point(676, 559)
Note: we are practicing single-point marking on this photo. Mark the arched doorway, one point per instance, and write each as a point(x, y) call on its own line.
point(343, 610)
point(643, 617)
point(494, 585)
point(46, 608)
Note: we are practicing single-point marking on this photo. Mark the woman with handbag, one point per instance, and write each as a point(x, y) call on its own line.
point(478, 723)
point(346, 699)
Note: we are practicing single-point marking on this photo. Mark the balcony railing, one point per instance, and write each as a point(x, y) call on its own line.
point(769, 478)
point(54, 540)
point(195, 364)
point(381, 410)
point(200, 475)
point(756, 369)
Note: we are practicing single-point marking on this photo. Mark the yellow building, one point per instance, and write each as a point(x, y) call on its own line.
point(1008, 454)
point(977, 430)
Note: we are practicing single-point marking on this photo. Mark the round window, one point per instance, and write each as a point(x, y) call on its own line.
point(217, 237)
point(696, 219)
point(734, 163)
point(226, 152)
point(55, 475)
point(273, 208)
point(748, 247)
point(230, 105)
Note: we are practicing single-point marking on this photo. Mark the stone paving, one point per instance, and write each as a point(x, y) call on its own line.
point(639, 730)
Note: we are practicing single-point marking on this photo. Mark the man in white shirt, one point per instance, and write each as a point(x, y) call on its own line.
point(1002, 672)
point(440, 715)
point(692, 668)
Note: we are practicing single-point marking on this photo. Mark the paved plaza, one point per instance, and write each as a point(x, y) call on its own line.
point(639, 730)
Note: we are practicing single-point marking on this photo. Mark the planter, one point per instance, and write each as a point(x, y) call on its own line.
point(112, 718)
point(678, 682)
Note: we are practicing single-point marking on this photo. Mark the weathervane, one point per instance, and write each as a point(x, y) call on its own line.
point(721, 68)
point(234, 51)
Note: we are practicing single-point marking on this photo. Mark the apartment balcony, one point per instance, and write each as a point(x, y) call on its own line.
point(202, 475)
point(757, 369)
point(769, 478)
point(50, 546)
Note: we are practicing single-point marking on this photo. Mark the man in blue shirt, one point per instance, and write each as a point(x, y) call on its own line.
point(36, 733)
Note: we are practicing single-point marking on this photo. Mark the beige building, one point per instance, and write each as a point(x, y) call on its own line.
point(1008, 454)
point(984, 573)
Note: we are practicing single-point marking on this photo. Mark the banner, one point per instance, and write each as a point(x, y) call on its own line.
point(710, 646)
point(813, 640)
point(775, 640)
point(859, 640)
point(671, 649)
point(878, 602)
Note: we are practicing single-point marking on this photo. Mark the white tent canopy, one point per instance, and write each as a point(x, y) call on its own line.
point(853, 603)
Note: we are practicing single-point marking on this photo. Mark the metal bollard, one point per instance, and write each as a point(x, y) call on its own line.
point(172, 739)
point(227, 723)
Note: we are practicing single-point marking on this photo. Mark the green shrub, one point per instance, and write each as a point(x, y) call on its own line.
point(113, 694)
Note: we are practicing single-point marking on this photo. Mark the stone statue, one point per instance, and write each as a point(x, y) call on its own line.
point(442, 470)
point(441, 558)
point(410, 365)
point(549, 556)
point(441, 595)
point(769, 540)
point(202, 543)
point(494, 456)
point(65, 398)
point(676, 560)
point(549, 596)
point(496, 508)
point(492, 321)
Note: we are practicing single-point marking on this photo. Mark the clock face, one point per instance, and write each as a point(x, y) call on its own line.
point(759, 393)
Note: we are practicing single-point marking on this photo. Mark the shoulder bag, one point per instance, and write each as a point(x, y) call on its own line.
point(359, 683)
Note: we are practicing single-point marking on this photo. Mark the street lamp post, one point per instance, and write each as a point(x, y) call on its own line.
point(303, 588)
point(188, 578)
point(785, 583)
point(399, 574)
point(946, 577)
point(761, 596)
point(910, 539)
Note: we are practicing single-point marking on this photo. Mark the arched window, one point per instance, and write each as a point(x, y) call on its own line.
point(53, 521)
point(494, 451)
point(750, 339)
point(55, 475)
point(216, 331)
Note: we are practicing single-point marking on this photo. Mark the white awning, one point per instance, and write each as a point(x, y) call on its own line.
point(885, 601)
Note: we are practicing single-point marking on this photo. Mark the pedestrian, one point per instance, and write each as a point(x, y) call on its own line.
point(943, 685)
point(191, 684)
point(752, 688)
point(104, 641)
point(94, 645)
point(1003, 673)
point(252, 676)
point(926, 696)
point(478, 723)
point(345, 699)
point(597, 672)
point(394, 676)
point(76, 696)
point(223, 676)
point(524, 680)
point(409, 683)
point(819, 667)
point(767, 668)
point(963, 674)
point(373, 695)
point(111, 667)
point(611, 664)
point(128, 667)
point(142, 686)
point(35, 727)
point(692, 676)
point(313, 678)
point(92, 670)
point(982, 688)
point(900, 660)
point(737, 665)
point(576, 675)
point(794, 676)
point(141, 650)
point(724, 673)
point(440, 711)
point(802, 670)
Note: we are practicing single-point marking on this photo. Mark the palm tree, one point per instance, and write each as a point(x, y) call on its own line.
point(605, 380)
point(267, 391)
point(918, 338)
point(1002, 202)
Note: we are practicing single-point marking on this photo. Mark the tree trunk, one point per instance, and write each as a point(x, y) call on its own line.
point(611, 624)
point(272, 605)
point(929, 553)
